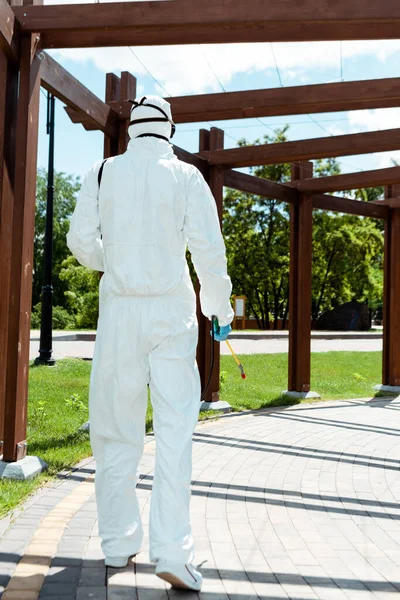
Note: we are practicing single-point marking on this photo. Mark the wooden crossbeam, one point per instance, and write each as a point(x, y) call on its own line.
point(351, 207)
point(9, 31)
point(258, 186)
point(388, 202)
point(301, 150)
point(64, 86)
point(210, 21)
point(294, 100)
point(349, 181)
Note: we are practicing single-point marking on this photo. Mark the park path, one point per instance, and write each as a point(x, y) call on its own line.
point(85, 349)
point(299, 503)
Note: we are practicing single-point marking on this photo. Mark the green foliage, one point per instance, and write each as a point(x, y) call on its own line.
point(76, 403)
point(82, 293)
point(347, 261)
point(257, 240)
point(62, 319)
point(334, 375)
point(347, 250)
point(66, 188)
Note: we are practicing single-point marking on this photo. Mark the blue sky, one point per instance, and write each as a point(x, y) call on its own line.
point(207, 69)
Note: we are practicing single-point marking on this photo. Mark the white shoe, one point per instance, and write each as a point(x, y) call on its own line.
point(183, 577)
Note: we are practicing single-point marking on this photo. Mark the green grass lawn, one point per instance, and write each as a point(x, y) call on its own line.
point(58, 402)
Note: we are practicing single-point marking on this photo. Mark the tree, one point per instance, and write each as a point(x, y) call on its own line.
point(66, 188)
point(347, 250)
point(82, 294)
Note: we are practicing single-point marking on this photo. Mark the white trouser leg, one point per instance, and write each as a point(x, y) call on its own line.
point(175, 395)
point(118, 403)
point(120, 526)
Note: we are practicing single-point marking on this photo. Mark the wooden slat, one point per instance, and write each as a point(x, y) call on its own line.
point(300, 150)
point(351, 207)
point(211, 21)
point(349, 181)
point(260, 187)
point(68, 89)
point(9, 31)
point(391, 313)
point(23, 224)
point(299, 363)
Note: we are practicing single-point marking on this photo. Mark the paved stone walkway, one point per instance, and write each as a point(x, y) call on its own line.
point(298, 503)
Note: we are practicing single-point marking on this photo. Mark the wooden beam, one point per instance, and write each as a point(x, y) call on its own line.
point(9, 31)
point(391, 293)
point(211, 21)
point(300, 150)
point(192, 159)
point(388, 202)
point(291, 100)
point(23, 224)
point(351, 207)
point(300, 281)
point(259, 187)
point(68, 89)
point(349, 181)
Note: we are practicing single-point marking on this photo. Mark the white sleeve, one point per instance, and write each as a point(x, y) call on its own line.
point(206, 245)
point(84, 236)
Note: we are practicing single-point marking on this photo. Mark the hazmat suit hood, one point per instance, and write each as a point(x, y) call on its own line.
point(141, 110)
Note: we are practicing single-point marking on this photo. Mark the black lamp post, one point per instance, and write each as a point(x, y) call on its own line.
point(46, 329)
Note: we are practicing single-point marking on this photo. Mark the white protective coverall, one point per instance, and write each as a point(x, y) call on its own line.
point(136, 229)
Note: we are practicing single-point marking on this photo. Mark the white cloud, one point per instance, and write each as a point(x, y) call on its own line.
point(382, 118)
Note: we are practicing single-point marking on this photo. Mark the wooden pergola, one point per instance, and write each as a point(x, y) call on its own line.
point(27, 29)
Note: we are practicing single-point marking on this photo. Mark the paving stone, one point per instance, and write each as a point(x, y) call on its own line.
point(93, 577)
point(92, 593)
point(62, 588)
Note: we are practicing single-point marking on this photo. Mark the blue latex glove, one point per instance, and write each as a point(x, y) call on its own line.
point(221, 333)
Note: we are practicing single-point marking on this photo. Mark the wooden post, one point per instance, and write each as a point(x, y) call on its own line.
point(113, 90)
point(300, 285)
point(127, 92)
point(210, 140)
point(21, 264)
point(391, 295)
point(119, 90)
point(8, 117)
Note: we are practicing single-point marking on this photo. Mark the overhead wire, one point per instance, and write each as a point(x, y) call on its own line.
point(163, 87)
point(318, 123)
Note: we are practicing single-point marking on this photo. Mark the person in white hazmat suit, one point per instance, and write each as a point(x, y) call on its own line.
point(134, 224)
